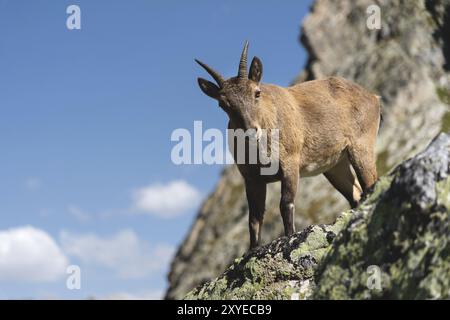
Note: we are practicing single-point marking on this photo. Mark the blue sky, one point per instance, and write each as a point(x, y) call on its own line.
point(85, 131)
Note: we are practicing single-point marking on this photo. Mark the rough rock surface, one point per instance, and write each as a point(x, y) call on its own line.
point(407, 62)
point(401, 232)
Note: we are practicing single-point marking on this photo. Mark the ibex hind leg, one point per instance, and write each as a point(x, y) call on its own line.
point(362, 158)
point(344, 180)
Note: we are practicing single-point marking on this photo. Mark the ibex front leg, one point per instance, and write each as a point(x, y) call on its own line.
point(256, 197)
point(289, 185)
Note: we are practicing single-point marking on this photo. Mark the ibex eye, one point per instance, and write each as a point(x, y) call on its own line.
point(257, 93)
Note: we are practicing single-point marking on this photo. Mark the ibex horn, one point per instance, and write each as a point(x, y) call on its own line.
point(242, 73)
point(219, 79)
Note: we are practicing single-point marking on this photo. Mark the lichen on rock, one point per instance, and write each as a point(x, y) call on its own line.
point(405, 233)
point(279, 270)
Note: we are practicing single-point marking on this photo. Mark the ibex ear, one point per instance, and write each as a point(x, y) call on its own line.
point(256, 70)
point(208, 88)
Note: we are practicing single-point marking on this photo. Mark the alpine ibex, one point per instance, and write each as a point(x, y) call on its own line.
point(325, 126)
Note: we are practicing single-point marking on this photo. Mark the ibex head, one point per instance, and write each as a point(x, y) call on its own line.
point(238, 96)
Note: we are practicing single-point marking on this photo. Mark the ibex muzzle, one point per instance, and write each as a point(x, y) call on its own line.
point(325, 126)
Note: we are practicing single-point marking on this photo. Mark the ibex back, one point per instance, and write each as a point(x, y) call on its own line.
point(325, 126)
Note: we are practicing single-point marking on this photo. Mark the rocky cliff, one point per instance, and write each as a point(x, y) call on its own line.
point(395, 245)
point(407, 62)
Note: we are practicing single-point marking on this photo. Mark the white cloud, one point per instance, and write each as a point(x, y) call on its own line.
point(169, 200)
point(79, 214)
point(30, 255)
point(33, 183)
point(123, 252)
